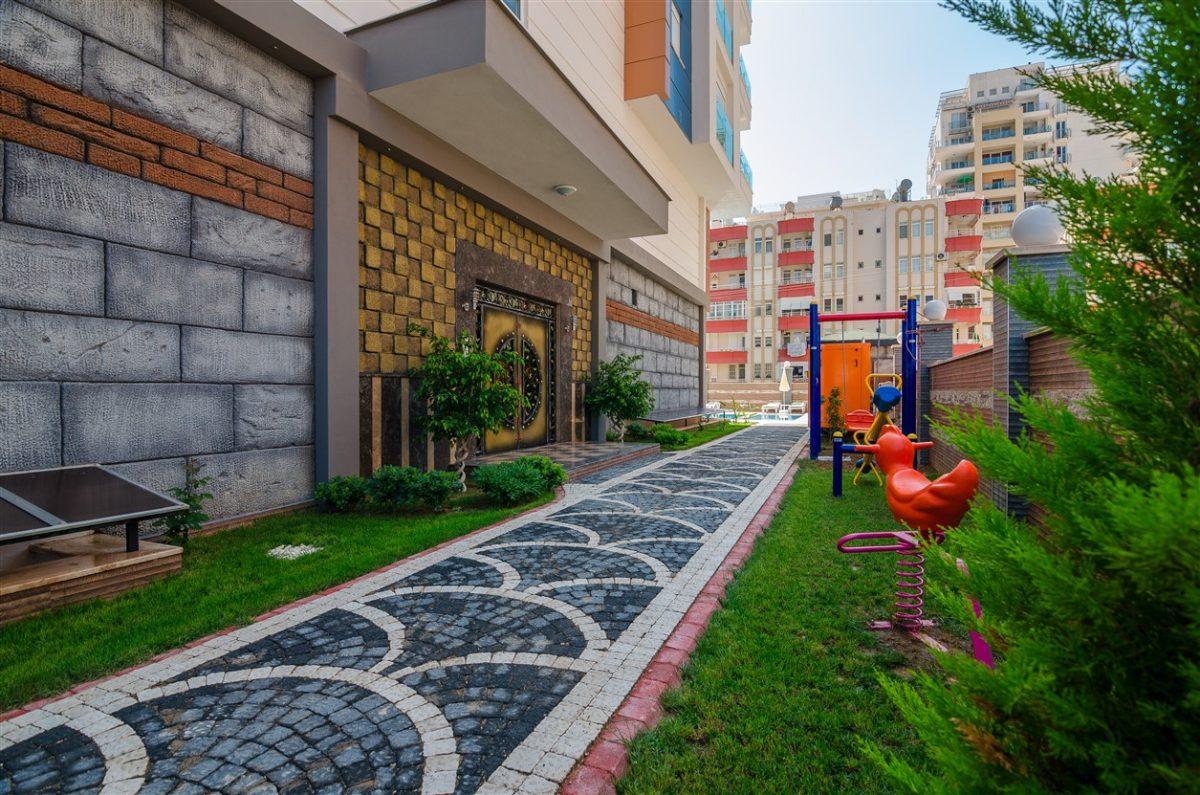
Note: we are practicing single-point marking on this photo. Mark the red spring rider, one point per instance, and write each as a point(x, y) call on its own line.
point(928, 508)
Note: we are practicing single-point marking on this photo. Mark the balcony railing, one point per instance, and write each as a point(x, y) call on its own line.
point(747, 172)
point(998, 207)
point(956, 126)
point(992, 135)
point(725, 28)
point(951, 190)
point(793, 312)
point(1035, 129)
point(1037, 155)
point(724, 130)
point(1000, 184)
point(1034, 107)
point(745, 75)
point(807, 279)
point(965, 303)
point(954, 165)
point(995, 160)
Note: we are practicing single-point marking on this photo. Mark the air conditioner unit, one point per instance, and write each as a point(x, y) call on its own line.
point(721, 244)
point(941, 257)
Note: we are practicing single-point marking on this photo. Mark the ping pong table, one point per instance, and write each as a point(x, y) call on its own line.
point(47, 502)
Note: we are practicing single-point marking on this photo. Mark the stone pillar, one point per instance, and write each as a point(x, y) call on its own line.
point(935, 343)
point(702, 314)
point(598, 426)
point(335, 272)
point(1010, 350)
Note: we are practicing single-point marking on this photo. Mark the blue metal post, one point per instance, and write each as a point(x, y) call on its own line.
point(908, 369)
point(837, 464)
point(814, 382)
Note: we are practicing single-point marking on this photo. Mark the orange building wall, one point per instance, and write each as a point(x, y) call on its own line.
point(845, 366)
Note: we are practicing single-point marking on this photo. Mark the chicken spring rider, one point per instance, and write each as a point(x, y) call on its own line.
point(927, 508)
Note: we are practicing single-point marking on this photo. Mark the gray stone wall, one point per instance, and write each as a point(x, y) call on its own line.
point(671, 366)
point(141, 325)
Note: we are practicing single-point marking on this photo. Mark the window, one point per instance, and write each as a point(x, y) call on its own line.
point(514, 6)
point(929, 229)
point(767, 311)
point(916, 229)
point(860, 233)
point(787, 245)
point(904, 264)
point(827, 306)
point(1060, 129)
point(841, 270)
point(770, 245)
point(878, 230)
point(757, 342)
point(741, 372)
point(733, 371)
point(758, 371)
point(726, 310)
point(991, 92)
point(928, 297)
point(860, 299)
point(1060, 154)
point(903, 231)
point(979, 93)
point(758, 245)
point(828, 238)
point(1004, 90)
point(741, 248)
point(841, 237)
point(827, 272)
point(676, 32)
point(929, 263)
point(878, 297)
point(903, 299)
point(878, 263)
point(841, 304)
point(633, 297)
point(860, 264)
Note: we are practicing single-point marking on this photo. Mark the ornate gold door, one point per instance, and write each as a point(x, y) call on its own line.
point(508, 328)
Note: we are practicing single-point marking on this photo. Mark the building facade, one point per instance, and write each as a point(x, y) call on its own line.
point(984, 134)
point(848, 253)
point(220, 218)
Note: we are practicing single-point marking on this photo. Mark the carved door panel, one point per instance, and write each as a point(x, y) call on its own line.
point(505, 330)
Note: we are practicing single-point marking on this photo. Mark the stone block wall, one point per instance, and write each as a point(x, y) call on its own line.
point(663, 328)
point(155, 250)
point(410, 227)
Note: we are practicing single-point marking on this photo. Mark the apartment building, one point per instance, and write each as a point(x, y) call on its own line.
point(224, 214)
point(985, 133)
point(851, 253)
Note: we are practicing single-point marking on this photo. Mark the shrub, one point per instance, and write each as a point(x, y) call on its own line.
point(434, 488)
point(468, 391)
point(342, 494)
point(636, 432)
point(832, 419)
point(392, 487)
point(1093, 614)
point(515, 482)
point(177, 527)
point(617, 391)
point(668, 436)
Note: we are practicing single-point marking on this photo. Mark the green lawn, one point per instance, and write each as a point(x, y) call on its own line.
point(783, 687)
point(708, 433)
point(227, 580)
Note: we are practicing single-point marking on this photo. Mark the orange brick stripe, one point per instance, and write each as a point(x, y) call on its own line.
point(623, 313)
point(44, 116)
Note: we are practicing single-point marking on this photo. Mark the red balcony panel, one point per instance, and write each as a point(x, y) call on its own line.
point(784, 356)
point(725, 357)
point(726, 264)
point(969, 243)
point(961, 279)
point(793, 322)
point(796, 290)
point(793, 225)
point(964, 207)
point(732, 294)
point(966, 347)
point(795, 258)
point(964, 314)
point(727, 233)
point(719, 326)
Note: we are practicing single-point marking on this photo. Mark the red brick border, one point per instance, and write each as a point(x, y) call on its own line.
point(559, 494)
point(44, 116)
point(607, 759)
point(623, 313)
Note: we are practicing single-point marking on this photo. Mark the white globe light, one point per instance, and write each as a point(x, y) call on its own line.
point(1037, 226)
point(935, 310)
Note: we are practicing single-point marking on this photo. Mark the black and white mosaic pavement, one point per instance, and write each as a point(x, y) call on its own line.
point(487, 666)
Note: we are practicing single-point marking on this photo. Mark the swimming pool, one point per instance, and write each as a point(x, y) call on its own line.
point(757, 416)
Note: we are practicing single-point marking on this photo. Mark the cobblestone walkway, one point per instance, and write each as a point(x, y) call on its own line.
point(489, 665)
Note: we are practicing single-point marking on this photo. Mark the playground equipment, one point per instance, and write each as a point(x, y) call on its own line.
point(927, 508)
point(908, 366)
point(865, 427)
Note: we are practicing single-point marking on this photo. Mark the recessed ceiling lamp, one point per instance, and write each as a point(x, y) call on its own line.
point(565, 190)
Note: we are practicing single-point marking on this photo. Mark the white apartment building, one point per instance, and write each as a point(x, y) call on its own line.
point(849, 253)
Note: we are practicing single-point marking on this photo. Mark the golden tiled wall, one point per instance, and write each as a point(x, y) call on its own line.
point(409, 227)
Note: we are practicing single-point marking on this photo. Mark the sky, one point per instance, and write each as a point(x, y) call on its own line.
point(844, 91)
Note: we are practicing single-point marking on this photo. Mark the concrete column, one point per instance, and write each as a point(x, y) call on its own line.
point(335, 293)
point(935, 343)
point(1010, 350)
point(598, 426)
point(702, 314)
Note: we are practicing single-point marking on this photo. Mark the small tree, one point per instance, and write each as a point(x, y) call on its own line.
point(833, 420)
point(467, 390)
point(177, 527)
point(617, 391)
point(1093, 614)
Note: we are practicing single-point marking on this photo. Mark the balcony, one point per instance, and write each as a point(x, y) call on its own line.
point(996, 135)
point(725, 357)
point(1036, 131)
point(747, 172)
point(724, 325)
point(720, 233)
point(802, 257)
point(724, 28)
point(727, 264)
point(955, 142)
point(964, 209)
point(1035, 108)
point(1000, 184)
point(797, 290)
point(1034, 156)
point(793, 320)
point(960, 279)
point(961, 187)
point(964, 243)
point(963, 314)
point(793, 226)
point(727, 294)
point(998, 208)
point(952, 169)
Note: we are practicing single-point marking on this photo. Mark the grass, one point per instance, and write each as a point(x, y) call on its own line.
point(708, 433)
point(227, 580)
point(783, 687)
